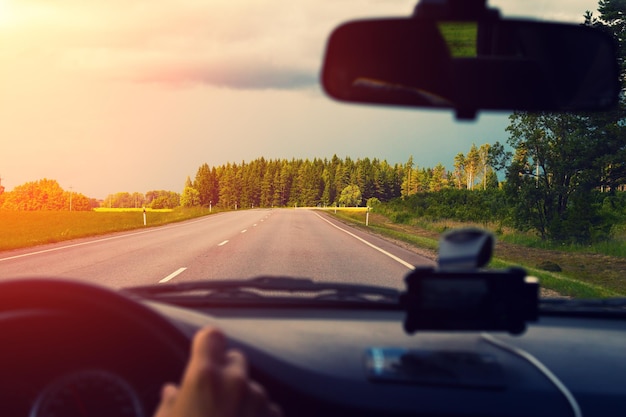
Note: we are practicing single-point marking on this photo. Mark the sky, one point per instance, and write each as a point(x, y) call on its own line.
point(109, 96)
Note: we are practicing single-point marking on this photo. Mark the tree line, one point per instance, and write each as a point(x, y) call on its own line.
point(155, 199)
point(320, 182)
point(44, 194)
point(267, 183)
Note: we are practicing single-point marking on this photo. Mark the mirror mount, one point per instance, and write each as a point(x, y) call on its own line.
point(457, 10)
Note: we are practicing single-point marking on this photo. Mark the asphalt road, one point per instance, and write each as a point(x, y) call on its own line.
point(241, 244)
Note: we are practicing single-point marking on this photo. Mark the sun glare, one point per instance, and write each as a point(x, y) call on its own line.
point(7, 13)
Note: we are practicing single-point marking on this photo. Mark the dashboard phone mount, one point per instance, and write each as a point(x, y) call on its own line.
point(459, 296)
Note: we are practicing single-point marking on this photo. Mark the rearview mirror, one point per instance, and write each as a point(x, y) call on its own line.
point(470, 66)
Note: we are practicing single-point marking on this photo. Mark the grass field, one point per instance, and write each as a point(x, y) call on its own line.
point(130, 210)
point(19, 229)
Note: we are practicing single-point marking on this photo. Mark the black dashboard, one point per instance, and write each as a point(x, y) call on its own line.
point(316, 363)
point(312, 362)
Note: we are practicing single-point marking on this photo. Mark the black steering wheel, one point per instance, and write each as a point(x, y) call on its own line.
point(53, 328)
point(98, 302)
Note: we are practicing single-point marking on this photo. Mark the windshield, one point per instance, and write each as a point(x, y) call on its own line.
point(154, 142)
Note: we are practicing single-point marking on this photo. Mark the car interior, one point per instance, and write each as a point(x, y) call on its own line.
point(459, 339)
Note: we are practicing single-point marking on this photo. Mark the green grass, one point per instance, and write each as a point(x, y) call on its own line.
point(21, 229)
point(613, 247)
point(558, 282)
point(359, 219)
point(460, 37)
point(616, 246)
point(130, 210)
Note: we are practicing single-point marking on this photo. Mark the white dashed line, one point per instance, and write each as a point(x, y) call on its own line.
point(254, 225)
point(223, 243)
point(244, 230)
point(172, 275)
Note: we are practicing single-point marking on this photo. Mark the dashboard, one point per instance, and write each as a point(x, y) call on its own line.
point(80, 358)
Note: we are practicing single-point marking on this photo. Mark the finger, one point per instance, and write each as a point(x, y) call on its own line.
point(169, 392)
point(209, 344)
point(226, 384)
point(203, 373)
point(237, 361)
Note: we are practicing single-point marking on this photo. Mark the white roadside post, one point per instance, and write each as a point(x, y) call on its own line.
point(144, 216)
point(367, 216)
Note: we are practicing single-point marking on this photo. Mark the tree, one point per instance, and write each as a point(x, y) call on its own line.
point(79, 201)
point(206, 184)
point(411, 181)
point(190, 196)
point(161, 199)
point(459, 171)
point(44, 194)
point(351, 196)
point(555, 159)
point(560, 159)
point(372, 202)
point(610, 126)
point(438, 179)
point(484, 164)
point(472, 166)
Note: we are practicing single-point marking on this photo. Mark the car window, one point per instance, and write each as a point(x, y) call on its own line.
point(127, 116)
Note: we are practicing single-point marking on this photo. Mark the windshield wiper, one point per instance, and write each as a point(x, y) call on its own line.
point(270, 288)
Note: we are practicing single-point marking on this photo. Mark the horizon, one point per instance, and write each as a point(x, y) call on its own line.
point(107, 102)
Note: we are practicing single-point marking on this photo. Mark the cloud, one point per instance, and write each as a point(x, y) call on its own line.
point(260, 44)
point(229, 75)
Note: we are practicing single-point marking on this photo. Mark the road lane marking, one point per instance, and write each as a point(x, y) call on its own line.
point(384, 252)
point(244, 230)
point(156, 229)
point(254, 225)
point(223, 243)
point(172, 275)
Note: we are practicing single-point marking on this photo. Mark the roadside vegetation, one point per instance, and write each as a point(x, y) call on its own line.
point(579, 274)
point(29, 228)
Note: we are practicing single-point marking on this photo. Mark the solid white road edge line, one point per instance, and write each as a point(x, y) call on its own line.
point(172, 275)
point(384, 252)
point(156, 229)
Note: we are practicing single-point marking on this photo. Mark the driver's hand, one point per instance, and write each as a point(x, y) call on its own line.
point(215, 384)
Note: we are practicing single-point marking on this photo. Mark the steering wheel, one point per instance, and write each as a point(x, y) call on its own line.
point(87, 322)
point(77, 298)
